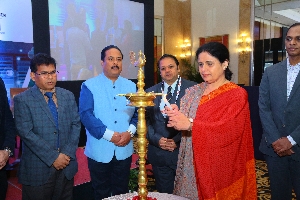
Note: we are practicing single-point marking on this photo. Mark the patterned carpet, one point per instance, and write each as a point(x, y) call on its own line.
point(262, 179)
point(263, 187)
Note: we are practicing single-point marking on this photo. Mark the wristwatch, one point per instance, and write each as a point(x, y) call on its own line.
point(131, 133)
point(191, 124)
point(10, 153)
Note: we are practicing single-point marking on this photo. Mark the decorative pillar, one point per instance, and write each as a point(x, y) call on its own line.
point(244, 68)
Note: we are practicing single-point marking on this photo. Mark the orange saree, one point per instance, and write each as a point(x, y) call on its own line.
point(223, 146)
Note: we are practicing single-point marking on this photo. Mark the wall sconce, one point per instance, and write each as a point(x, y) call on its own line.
point(185, 49)
point(244, 46)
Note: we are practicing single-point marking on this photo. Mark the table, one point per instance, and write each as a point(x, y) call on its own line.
point(157, 195)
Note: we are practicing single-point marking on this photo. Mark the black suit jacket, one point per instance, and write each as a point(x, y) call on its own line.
point(7, 125)
point(157, 128)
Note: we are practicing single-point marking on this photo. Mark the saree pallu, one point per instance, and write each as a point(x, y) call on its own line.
point(185, 180)
point(223, 146)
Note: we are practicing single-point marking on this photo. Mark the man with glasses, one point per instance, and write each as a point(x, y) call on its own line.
point(48, 123)
point(110, 124)
point(164, 142)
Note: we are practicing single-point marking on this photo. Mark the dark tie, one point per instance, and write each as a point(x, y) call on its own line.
point(52, 107)
point(169, 93)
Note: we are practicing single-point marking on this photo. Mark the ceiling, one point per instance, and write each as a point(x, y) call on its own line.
point(280, 12)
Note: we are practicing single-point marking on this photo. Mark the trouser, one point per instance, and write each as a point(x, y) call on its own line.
point(58, 187)
point(284, 174)
point(109, 179)
point(164, 178)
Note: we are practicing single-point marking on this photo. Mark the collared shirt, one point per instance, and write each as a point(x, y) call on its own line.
point(165, 89)
point(292, 73)
point(54, 98)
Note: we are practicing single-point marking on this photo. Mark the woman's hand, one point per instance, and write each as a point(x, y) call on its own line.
point(177, 120)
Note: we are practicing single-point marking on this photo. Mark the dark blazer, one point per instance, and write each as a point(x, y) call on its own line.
point(38, 132)
point(157, 128)
point(7, 126)
point(279, 117)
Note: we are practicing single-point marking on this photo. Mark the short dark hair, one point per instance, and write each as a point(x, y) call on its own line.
point(108, 48)
point(296, 24)
point(41, 59)
point(219, 51)
point(168, 56)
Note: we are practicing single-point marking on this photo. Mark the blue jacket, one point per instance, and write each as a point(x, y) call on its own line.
point(103, 112)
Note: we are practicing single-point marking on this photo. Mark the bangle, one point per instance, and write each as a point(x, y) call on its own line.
point(10, 153)
point(131, 133)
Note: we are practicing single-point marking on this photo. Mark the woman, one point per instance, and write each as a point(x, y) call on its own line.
point(216, 113)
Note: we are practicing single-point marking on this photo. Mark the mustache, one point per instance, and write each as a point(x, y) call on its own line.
point(115, 66)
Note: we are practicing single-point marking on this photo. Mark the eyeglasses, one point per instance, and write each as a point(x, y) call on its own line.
point(46, 74)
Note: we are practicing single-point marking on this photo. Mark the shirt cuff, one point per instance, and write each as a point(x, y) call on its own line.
point(108, 134)
point(132, 128)
point(292, 141)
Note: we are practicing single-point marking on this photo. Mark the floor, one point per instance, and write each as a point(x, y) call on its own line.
point(83, 189)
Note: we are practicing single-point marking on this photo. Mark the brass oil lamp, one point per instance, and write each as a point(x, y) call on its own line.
point(141, 99)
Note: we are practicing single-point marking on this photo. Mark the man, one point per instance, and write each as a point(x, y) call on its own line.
point(164, 142)
point(279, 110)
point(7, 138)
point(110, 124)
point(49, 128)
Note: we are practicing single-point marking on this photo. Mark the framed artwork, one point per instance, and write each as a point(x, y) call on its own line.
point(224, 39)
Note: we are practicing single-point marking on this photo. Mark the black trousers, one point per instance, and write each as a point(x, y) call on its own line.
point(164, 178)
point(3, 183)
point(58, 187)
point(109, 179)
point(284, 174)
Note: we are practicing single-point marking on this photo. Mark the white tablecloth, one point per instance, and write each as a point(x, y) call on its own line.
point(157, 195)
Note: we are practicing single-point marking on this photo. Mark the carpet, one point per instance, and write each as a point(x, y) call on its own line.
point(83, 174)
point(262, 179)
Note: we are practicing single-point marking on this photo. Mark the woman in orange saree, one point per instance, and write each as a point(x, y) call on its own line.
point(222, 145)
